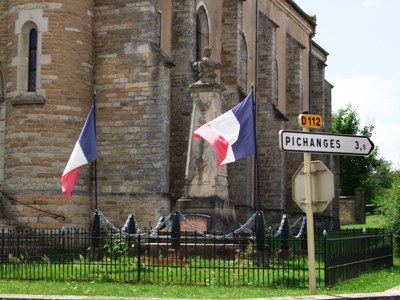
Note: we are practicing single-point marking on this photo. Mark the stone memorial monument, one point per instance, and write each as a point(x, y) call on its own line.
point(206, 200)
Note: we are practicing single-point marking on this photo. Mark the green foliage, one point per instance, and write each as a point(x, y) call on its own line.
point(117, 246)
point(379, 180)
point(389, 203)
point(356, 171)
point(346, 121)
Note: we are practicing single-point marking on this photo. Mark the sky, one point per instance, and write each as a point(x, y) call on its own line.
point(363, 41)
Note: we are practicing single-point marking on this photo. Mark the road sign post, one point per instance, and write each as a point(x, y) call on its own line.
point(310, 142)
point(312, 282)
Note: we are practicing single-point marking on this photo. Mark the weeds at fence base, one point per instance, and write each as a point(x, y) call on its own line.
point(94, 254)
point(164, 261)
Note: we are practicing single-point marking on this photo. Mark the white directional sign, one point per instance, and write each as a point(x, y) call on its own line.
point(297, 141)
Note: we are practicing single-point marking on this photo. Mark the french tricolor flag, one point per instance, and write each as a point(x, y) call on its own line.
point(232, 134)
point(83, 153)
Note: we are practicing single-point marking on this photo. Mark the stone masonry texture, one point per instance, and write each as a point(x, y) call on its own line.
point(112, 49)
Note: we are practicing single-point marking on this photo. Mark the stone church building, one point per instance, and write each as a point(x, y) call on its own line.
point(138, 56)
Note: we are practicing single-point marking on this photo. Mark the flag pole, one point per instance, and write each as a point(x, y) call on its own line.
point(256, 174)
point(256, 177)
point(95, 161)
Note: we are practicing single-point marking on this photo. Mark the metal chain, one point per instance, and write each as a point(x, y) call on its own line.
point(165, 221)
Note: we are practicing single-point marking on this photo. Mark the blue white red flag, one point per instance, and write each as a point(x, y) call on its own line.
point(232, 134)
point(83, 153)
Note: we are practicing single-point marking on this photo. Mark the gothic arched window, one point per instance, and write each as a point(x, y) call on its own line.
point(202, 32)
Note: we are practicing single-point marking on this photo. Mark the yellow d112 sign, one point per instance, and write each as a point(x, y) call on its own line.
point(310, 121)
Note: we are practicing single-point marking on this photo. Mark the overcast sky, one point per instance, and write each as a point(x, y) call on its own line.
point(363, 41)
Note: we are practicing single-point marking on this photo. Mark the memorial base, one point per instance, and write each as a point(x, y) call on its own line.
point(208, 214)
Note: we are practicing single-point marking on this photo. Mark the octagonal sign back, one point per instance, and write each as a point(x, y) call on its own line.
point(322, 186)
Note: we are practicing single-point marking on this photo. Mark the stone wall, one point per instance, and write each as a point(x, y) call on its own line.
point(270, 121)
point(321, 105)
point(3, 67)
point(144, 103)
point(239, 173)
point(294, 106)
point(40, 136)
point(132, 79)
point(347, 207)
point(352, 208)
point(182, 75)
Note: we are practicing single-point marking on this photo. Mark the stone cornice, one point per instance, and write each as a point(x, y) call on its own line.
point(305, 21)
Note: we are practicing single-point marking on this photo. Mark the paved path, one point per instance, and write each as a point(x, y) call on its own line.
point(392, 294)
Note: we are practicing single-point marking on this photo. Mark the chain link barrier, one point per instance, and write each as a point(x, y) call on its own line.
point(164, 223)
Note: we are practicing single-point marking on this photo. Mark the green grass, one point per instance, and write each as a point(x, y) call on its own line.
point(243, 271)
point(371, 221)
point(368, 283)
point(141, 290)
point(374, 282)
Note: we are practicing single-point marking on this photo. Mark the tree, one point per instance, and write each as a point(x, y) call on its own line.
point(379, 181)
point(388, 204)
point(355, 171)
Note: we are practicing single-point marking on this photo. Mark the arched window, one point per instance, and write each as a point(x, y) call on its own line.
point(29, 60)
point(243, 63)
point(202, 32)
point(32, 55)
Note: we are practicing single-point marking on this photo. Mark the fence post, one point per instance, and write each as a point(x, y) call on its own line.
point(138, 256)
point(325, 249)
point(63, 249)
point(364, 232)
point(259, 231)
point(284, 248)
point(3, 243)
point(95, 230)
point(394, 241)
point(94, 251)
point(130, 230)
point(175, 231)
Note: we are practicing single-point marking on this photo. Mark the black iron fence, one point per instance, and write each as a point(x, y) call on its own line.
point(190, 258)
point(353, 252)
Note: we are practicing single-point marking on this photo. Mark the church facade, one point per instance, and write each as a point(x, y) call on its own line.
point(138, 56)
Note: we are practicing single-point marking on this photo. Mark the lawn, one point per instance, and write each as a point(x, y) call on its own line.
point(373, 282)
point(371, 221)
